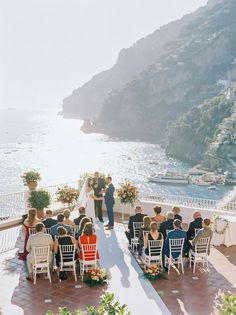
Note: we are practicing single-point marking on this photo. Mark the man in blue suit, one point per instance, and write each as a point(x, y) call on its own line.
point(109, 202)
point(177, 233)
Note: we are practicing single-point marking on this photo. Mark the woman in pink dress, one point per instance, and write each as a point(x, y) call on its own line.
point(29, 223)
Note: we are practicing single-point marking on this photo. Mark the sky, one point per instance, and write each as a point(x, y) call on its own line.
point(51, 47)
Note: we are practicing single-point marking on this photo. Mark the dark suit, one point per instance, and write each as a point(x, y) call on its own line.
point(49, 222)
point(98, 185)
point(110, 201)
point(78, 220)
point(178, 217)
point(138, 217)
point(166, 225)
point(55, 227)
point(196, 224)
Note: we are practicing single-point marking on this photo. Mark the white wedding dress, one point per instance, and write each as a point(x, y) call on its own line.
point(90, 209)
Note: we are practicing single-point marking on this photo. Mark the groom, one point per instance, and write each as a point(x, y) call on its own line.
point(98, 185)
point(109, 201)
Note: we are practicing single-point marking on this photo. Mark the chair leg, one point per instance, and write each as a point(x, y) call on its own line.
point(75, 272)
point(190, 261)
point(194, 265)
point(207, 265)
point(182, 265)
point(49, 275)
point(35, 275)
point(168, 266)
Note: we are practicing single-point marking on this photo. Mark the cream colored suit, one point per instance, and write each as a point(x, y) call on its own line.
point(38, 239)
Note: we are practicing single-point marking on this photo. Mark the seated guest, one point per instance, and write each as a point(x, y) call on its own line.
point(38, 239)
point(88, 237)
point(138, 217)
point(176, 211)
point(60, 219)
point(168, 224)
point(81, 216)
point(81, 226)
point(153, 235)
point(177, 233)
point(63, 239)
point(159, 218)
point(195, 224)
point(206, 231)
point(49, 221)
point(145, 228)
point(67, 220)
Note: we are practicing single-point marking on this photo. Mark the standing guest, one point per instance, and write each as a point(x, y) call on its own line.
point(88, 237)
point(138, 217)
point(168, 224)
point(145, 228)
point(81, 216)
point(81, 226)
point(159, 218)
point(109, 201)
point(153, 235)
point(177, 233)
point(67, 220)
point(63, 239)
point(195, 224)
point(206, 231)
point(98, 185)
point(176, 211)
point(60, 219)
point(29, 223)
point(36, 240)
point(49, 221)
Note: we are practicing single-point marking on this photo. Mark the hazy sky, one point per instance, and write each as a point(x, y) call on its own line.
point(50, 47)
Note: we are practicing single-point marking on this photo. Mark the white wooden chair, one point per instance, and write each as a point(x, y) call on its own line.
point(155, 252)
point(75, 230)
point(135, 240)
point(168, 231)
point(200, 253)
point(196, 231)
point(41, 261)
point(48, 230)
point(175, 247)
point(89, 258)
point(32, 231)
point(67, 259)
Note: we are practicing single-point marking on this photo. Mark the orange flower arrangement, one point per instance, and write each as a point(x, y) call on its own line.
point(127, 193)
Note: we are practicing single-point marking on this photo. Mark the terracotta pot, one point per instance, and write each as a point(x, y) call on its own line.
point(40, 213)
point(33, 185)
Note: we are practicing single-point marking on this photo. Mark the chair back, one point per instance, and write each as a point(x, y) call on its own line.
point(32, 231)
point(196, 231)
point(48, 230)
point(145, 233)
point(155, 247)
point(41, 254)
point(168, 231)
point(176, 246)
point(89, 251)
point(67, 253)
point(137, 227)
point(75, 229)
point(202, 245)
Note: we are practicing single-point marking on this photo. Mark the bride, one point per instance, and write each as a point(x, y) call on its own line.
point(86, 199)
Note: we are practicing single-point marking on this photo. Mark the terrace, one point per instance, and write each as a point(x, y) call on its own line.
point(178, 294)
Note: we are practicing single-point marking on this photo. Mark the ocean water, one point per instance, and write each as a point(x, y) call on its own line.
point(56, 147)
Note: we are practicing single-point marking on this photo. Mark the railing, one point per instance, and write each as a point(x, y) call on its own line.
point(14, 205)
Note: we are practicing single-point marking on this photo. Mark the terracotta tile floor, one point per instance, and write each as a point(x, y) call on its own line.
point(190, 293)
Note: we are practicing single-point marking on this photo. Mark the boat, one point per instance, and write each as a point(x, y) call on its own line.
point(170, 178)
point(212, 187)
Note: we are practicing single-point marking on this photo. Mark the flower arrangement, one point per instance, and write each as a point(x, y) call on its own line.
point(154, 272)
point(127, 193)
point(97, 276)
point(215, 229)
point(30, 176)
point(67, 195)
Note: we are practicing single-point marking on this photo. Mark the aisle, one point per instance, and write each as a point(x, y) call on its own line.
point(126, 276)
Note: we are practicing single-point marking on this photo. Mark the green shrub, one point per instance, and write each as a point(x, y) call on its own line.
point(225, 304)
point(39, 199)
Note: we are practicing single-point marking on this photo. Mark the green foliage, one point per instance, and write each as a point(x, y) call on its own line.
point(30, 176)
point(108, 307)
point(225, 304)
point(39, 199)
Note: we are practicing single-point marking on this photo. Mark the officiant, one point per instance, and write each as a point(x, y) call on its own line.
point(98, 185)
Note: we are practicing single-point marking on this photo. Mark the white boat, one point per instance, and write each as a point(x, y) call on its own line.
point(169, 178)
point(212, 187)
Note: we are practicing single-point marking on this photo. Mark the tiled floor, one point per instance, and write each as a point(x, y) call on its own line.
point(190, 293)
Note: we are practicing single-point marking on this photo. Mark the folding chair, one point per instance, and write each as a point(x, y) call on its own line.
point(175, 247)
point(200, 253)
point(155, 252)
point(135, 240)
point(32, 231)
point(48, 230)
point(67, 259)
point(89, 258)
point(196, 231)
point(41, 261)
point(168, 231)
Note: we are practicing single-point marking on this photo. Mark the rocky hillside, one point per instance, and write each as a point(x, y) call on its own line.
point(130, 63)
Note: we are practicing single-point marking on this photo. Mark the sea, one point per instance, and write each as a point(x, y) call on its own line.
point(42, 140)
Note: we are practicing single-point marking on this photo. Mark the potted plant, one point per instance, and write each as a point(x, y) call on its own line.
point(67, 195)
point(31, 179)
point(39, 199)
